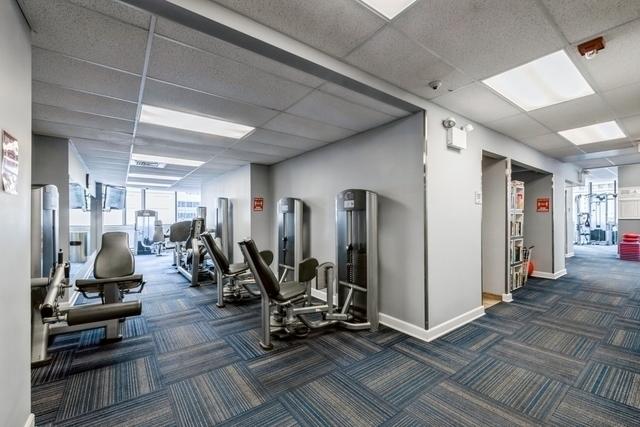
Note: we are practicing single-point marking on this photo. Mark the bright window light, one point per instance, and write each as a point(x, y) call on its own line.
point(192, 122)
point(594, 133)
point(388, 8)
point(148, 184)
point(165, 160)
point(546, 81)
point(151, 176)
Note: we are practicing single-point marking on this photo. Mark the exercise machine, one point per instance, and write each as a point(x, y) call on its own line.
point(290, 238)
point(593, 222)
point(158, 245)
point(44, 229)
point(189, 253)
point(287, 307)
point(224, 227)
point(145, 231)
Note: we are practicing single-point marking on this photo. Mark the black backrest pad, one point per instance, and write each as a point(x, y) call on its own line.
point(179, 231)
point(261, 271)
point(216, 253)
point(114, 258)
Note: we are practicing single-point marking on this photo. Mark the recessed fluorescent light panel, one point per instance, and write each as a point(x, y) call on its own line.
point(594, 133)
point(148, 184)
point(165, 160)
point(150, 176)
point(192, 122)
point(546, 81)
point(388, 8)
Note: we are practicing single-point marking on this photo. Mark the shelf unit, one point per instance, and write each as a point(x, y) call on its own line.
point(516, 236)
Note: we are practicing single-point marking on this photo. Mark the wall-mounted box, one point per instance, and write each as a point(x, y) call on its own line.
point(456, 138)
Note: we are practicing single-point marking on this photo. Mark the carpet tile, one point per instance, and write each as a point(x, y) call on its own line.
point(572, 345)
point(438, 354)
point(182, 336)
point(625, 338)
point(344, 348)
point(472, 337)
point(579, 408)
point(271, 414)
point(612, 383)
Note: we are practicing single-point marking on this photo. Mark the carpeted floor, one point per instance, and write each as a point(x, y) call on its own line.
point(565, 352)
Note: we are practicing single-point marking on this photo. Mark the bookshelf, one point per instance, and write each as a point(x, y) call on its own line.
point(516, 236)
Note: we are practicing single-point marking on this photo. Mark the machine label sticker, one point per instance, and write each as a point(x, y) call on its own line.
point(349, 204)
point(543, 204)
point(9, 163)
point(258, 204)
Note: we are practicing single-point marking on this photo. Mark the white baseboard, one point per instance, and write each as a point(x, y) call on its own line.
point(435, 332)
point(570, 255)
point(31, 421)
point(545, 275)
point(507, 297)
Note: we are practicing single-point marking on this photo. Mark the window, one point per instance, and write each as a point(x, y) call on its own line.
point(163, 202)
point(187, 204)
point(133, 204)
point(112, 217)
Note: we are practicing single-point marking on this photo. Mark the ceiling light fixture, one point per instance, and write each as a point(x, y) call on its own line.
point(148, 184)
point(165, 160)
point(545, 81)
point(151, 176)
point(598, 132)
point(192, 122)
point(388, 8)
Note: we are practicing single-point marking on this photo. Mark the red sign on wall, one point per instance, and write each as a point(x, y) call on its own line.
point(543, 204)
point(258, 204)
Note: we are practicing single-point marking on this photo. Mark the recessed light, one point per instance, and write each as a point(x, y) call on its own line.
point(593, 133)
point(389, 8)
point(148, 184)
point(165, 160)
point(151, 176)
point(545, 81)
point(192, 122)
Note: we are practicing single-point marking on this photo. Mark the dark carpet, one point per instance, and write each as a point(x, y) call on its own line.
point(565, 352)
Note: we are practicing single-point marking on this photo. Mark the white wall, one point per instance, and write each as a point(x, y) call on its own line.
point(15, 316)
point(570, 227)
point(387, 160)
point(261, 222)
point(494, 228)
point(236, 186)
point(538, 225)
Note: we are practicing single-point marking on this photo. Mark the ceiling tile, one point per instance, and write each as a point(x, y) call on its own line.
point(219, 47)
point(253, 157)
point(482, 38)
point(118, 10)
point(575, 113)
point(87, 144)
point(335, 111)
point(333, 26)
point(593, 163)
point(168, 170)
point(60, 115)
point(478, 103)
point(550, 141)
point(42, 127)
point(518, 127)
point(73, 30)
point(618, 64)
point(284, 140)
point(562, 152)
point(61, 70)
point(178, 136)
point(390, 55)
point(294, 125)
point(628, 159)
point(58, 96)
point(579, 19)
point(597, 147)
point(625, 100)
point(632, 126)
point(170, 96)
point(358, 98)
point(186, 66)
point(181, 151)
point(274, 150)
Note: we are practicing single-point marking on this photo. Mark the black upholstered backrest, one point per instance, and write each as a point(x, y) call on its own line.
point(261, 272)
point(114, 258)
point(219, 259)
point(179, 231)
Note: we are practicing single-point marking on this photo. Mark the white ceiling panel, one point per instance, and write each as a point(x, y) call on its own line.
point(618, 64)
point(182, 150)
point(253, 157)
point(333, 26)
point(82, 144)
point(284, 140)
point(307, 128)
point(550, 141)
point(575, 113)
point(82, 33)
point(168, 170)
point(69, 99)
point(335, 111)
point(579, 19)
point(482, 38)
point(170, 96)
point(42, 127)
point(62, 70)
point(632, 126)
point(118, 10)
point(478, 103)
point(625, 100)
point(519, 127)
point(629, 159)
point(186, 66)
point(60, 115)
point(606, 145)
point(216, 46)
point(269, 149)
point(394, 57)
point(365, 101)
point(178, 136)
point(563, 151)
point(593, 163)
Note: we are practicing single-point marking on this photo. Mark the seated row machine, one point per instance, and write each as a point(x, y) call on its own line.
point(189, 253)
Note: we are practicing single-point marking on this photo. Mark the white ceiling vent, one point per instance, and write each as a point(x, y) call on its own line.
point(148, 164)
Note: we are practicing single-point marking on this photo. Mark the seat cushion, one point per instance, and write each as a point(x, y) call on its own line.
point(125, 282)
point(290, 290)
point(238, 268)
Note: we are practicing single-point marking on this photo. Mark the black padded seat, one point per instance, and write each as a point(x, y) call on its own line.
point(238, 268)
point(290, 290)
point(95, 285)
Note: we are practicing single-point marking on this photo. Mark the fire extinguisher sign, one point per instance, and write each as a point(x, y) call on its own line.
point(258, 204)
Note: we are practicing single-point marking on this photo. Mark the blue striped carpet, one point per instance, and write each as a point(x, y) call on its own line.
point(565, 352)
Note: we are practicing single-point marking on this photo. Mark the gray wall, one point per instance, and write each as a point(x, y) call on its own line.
point(537, 225)
point(494, 231)
point(261, 221)
point(15, 316)
point(387, 160)
point(628, 176)
point(50, 165)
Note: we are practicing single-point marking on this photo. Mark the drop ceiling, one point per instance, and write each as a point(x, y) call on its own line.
point(96, 62)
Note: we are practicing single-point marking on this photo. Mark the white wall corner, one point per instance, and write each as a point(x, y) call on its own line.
point(507, 297)
point(31, 421)
point(570, 255)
